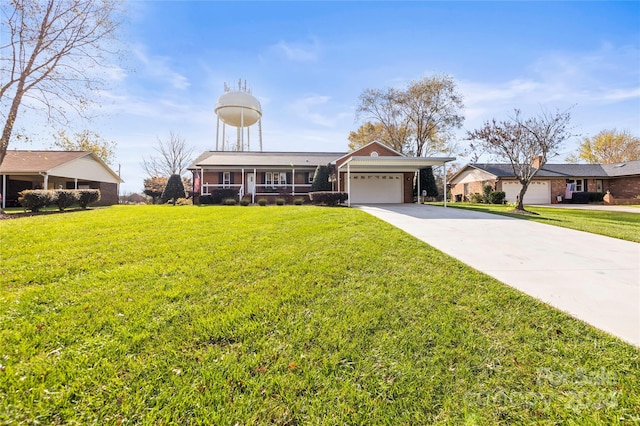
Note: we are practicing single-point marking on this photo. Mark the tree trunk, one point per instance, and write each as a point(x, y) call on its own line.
point(520, 205)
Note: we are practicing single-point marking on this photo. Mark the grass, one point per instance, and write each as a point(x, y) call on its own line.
point(296, 315)
point(622, 225)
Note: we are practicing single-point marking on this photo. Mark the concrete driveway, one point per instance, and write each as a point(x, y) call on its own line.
point(591, 277)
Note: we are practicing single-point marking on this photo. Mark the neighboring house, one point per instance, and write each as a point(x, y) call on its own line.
point(371, 174)
point(622, 180)
point(22, 170)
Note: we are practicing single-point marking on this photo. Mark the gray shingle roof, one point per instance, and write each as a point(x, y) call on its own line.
point(263, 159)
point(568, 170)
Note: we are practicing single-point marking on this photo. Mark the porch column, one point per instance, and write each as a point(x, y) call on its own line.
point(444, 165)
point(4, 192)
point(293, 181)
point(349, 184)
point(46, 181)
point(75, 183)
point(255, 187)
point(419, 193)
point(243, 186)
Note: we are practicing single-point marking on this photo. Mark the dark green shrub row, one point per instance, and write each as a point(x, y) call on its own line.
point(37, 199)
point(596, 197)
point(329, 198)
point(218, 196)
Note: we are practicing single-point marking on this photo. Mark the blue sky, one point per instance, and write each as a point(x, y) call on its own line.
point(307, 63)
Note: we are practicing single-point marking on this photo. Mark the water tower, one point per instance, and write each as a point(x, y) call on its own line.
point(239, 109)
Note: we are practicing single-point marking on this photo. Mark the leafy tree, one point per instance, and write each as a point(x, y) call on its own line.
point(365, 134)
point(86, 141)
point(49, 52)
point(174, 157)
point(321, 179)
point(154, 186)
point(521, 140)
point(419, 120)
point(173, 190)
point(608, 147)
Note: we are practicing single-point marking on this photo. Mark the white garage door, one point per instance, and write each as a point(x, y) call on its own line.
point(376, 188)
point(538, 192)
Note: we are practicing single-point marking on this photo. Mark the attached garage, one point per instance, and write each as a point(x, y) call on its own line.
point(376, 188)
point(539, 192)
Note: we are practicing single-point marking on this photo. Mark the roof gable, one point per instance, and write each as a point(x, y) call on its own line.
point(368, 150)
point(72, 164)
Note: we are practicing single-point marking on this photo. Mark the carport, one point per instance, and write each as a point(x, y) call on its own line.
point(370, 165)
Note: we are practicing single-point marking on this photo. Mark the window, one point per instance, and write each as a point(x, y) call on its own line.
point(578, 184)
point(275, 178)
point(374, 153)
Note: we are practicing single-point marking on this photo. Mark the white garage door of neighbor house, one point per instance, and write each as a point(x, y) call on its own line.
point(376, 188)
point(537, 193)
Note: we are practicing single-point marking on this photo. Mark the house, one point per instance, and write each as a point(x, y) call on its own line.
point(22, 170)
point(551, 181)
point(374, 173)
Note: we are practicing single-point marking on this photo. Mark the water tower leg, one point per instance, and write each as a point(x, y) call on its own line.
point(217, 131)
point(224, 134)
point(260, 133)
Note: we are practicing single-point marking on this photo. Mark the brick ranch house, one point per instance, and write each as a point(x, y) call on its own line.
point(374, 173)
point(22, 170)
point(621, 180)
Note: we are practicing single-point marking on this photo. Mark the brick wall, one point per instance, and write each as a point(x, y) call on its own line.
point(108, 194)
point(474, 187)
point(627, 187)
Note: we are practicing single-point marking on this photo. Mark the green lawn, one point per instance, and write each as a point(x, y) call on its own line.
point(281, 315)
point(623, 225)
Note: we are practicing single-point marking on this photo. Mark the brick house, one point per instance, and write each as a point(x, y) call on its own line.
point(374, 173)
point(622, 180)
point(22, 170)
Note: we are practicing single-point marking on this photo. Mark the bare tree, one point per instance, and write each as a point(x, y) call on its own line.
point(383, 107)
point(174, 157)
point(417, 121)
point(520, 141)
point(432, 106)
point(50, 52)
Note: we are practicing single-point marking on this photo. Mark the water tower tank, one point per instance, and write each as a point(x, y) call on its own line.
point(238, 109)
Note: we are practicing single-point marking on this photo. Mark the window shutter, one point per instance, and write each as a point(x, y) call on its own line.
point(231, 175)
point(220, 178)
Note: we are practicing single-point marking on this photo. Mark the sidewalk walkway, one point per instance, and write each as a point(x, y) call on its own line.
point(591, 277)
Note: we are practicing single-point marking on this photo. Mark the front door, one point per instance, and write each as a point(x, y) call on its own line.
point(251, 183)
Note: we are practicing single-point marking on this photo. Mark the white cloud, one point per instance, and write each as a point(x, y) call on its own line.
point(158, 68)
point(311, 109)
point(298, 51)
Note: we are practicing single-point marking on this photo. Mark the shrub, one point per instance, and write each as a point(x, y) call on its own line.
point(596, 197)
point(280, 201)
point(64, 198)
point(229, 202)
point(184, 202)
point(36, 199)
point(262, 202)
point(427, 183)
point(329, 198)
point(298, 201)
point(497, 197)
point(475, 198)
point(245, 201)
point(173, 190)
point(580, 198)
point(486, 192)
point(88, 196)
point(217, 196)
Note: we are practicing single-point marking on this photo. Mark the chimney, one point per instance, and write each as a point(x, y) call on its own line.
point(537, 162)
